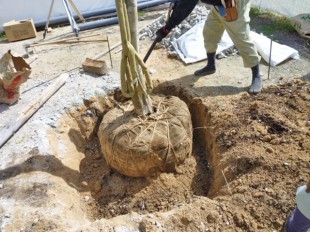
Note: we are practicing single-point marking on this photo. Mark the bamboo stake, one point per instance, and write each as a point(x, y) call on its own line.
point(10, 128)
point(61, 40)
point(85, 41)
point(119, 43)
point(77, 11)
point(107, 51)
point(226, 183)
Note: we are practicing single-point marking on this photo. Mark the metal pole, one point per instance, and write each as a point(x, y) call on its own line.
point(48, 19)
point(74, 26)
point(270, 53)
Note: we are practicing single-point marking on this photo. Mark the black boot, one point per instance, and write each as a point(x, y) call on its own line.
point(256, 85)
point(210, 68)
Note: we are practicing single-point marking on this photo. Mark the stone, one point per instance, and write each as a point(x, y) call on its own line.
point(86, 198)
point(212, 217)
point(269, 150)
point(97, 186)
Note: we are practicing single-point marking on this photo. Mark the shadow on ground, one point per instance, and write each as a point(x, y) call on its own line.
point(49, 164)
point(204, 91)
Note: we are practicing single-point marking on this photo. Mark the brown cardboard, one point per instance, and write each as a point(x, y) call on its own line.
point(302, 24)
point(19, 30)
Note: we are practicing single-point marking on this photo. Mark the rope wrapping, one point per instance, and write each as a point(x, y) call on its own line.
point(135, 79)
point(141, 146)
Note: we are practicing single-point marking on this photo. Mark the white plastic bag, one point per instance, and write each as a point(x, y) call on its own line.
point(279, 52)
point(190, 46)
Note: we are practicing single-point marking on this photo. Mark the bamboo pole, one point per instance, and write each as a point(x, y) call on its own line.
point(132, 11)
point(132, 79)
point(61, 40)
point(144, 98)
point(120, 43)
point(12, 127)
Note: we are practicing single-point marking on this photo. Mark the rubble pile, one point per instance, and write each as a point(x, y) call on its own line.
point(197, 15)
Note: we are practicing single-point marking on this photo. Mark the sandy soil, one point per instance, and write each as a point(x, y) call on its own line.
point(54, 177)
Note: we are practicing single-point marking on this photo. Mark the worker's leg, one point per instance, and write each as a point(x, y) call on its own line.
point(239, 32)
point(297, 222)
point(212, 32)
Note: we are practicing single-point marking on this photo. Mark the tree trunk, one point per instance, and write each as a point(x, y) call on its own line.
point(132, 11)
point(143, 99)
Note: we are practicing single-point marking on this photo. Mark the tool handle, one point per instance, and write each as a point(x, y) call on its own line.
point(151, 49)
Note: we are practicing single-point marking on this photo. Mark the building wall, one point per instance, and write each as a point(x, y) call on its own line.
point(288, 8)
point(38, 9)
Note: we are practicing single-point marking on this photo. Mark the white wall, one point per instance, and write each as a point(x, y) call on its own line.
point(38, 9)
point(289, 8)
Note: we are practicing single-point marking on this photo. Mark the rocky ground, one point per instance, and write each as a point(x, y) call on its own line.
point(250, 152)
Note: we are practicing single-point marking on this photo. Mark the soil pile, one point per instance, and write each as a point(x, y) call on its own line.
point(263, 152)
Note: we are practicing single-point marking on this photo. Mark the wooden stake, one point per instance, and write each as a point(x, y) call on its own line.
point(10, 128)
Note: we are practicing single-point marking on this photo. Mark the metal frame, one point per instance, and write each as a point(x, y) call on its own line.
point(73, 24)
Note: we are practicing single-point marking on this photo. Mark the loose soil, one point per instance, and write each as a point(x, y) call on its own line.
point(250, 152)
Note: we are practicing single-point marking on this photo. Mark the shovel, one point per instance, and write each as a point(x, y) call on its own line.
point(151, 49)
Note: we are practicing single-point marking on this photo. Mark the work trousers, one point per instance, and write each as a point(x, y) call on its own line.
point(238, 30)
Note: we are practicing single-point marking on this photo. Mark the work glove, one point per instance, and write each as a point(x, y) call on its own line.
point(162, 33)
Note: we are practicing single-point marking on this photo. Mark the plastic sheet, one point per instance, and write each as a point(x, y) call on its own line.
point(190, 46)
point(279, 52)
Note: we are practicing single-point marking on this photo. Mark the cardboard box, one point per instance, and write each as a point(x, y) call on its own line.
point(18, 30)
point(302, 25)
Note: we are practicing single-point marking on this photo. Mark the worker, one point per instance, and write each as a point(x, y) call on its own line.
point(299, 220)
point(217, 21)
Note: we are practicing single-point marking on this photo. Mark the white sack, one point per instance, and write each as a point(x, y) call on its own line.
point(279, 52)
point(190, 46)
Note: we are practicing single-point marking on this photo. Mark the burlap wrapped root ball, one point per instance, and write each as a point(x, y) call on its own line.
point(137, 146)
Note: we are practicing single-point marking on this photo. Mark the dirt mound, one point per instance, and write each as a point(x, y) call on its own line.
point(264, 145)
point(258, 144)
